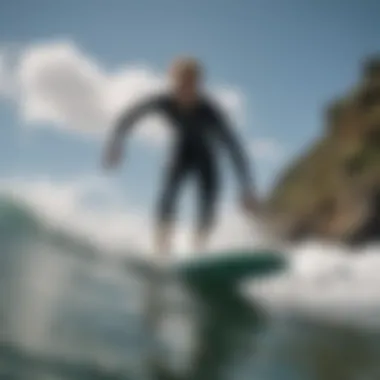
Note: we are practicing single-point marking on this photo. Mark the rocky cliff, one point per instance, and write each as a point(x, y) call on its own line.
point(332, 191)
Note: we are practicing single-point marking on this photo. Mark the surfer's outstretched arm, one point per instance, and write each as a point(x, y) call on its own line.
point(124, 125)
point(127, 120)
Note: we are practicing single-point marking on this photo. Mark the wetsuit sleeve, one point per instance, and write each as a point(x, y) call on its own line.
point(231, 142)
point(128, 119)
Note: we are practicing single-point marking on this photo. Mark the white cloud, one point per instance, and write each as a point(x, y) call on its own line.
point(267, 149)
point(59, 85)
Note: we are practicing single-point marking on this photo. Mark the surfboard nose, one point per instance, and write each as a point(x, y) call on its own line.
point(231, 267)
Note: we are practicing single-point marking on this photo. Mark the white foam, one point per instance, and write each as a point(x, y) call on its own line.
point(326, 280)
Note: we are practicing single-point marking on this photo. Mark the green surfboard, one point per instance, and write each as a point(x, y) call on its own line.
point(231, 266)
point(227, 267)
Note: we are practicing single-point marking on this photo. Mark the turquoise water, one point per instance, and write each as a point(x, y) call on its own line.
point(70, 311)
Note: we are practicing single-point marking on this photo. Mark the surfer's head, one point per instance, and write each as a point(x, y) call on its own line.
point(186, 76)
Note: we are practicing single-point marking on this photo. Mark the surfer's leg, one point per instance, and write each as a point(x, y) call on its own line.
point(168, 202)
point(208, 177)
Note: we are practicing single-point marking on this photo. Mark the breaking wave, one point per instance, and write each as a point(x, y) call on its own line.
point(62, 296)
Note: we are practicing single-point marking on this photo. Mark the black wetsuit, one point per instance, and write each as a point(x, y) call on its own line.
point(196, 131)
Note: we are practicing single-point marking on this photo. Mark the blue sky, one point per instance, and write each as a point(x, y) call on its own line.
point(287, 58)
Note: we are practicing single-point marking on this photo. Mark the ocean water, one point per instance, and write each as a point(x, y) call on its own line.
point(70, 311)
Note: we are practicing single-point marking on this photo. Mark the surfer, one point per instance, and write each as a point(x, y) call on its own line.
point(198, 123)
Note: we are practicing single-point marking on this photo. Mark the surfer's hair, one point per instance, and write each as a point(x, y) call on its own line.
point(186, 65)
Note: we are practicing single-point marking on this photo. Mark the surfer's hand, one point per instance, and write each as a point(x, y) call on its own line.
point(112, 156)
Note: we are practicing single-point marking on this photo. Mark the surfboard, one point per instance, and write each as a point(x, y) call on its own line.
point(231, 266)
point(227, 266)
